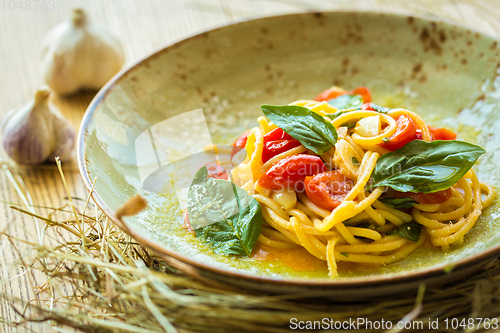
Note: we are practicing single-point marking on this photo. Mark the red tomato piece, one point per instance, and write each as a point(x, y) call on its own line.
point(363, 92)
point(442, 133)
point(418, 134)
point(367, 107)
point(276, 142)
point(241, 141)
point(291, 171)
point(404, 133)
point(215, 170)
point(327, 190)
point(330, 93)
point(335, 92)
point(426, 198)
point(436, 134)
point(239, 144)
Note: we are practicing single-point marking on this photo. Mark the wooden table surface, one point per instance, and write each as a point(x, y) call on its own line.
point(142, 26)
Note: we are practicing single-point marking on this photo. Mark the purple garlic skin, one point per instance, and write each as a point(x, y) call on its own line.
point(37, 132)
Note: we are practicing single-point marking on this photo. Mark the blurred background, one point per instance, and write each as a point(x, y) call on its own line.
point(142, 27)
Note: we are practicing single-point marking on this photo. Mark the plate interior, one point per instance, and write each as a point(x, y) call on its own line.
point(447, 74)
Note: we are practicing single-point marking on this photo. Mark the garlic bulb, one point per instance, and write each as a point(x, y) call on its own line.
point(79, 55)
point(37, 132)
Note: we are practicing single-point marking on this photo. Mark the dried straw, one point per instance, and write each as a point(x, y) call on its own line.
point(118, 286)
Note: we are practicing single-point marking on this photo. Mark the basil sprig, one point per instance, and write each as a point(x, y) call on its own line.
point(223, 214)
point(344, 102)
point(399, 202)
point(308, 127)
point(426, 167)
point(410, 230)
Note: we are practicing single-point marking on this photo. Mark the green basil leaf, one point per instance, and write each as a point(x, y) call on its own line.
point(339, 113)
point(426, 167)
point(410, 230)
point(345, 102)
point(375, 107)
point(350, 124)
point(378, 108)
point(308, 127)
point(223, 214)
point(399, 203)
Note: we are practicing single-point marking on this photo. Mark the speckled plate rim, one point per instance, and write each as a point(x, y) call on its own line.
point(348, 282)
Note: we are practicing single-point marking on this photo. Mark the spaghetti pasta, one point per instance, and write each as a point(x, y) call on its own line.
point(345, 219)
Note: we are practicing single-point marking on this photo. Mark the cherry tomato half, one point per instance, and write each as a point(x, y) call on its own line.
point(273, 148)
point(335, 92)
point(436, 134)
point(442, 133)
point(363, 92)
point(419, 135)
point(239, 144)
point(276, 142)
point(330, 93)
point(291, 171)
point(404, 133)
point(327, 190)
point(367, 107)
point(426, 198)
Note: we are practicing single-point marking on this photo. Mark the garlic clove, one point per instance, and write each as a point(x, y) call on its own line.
point(369, 126)
point(36, 131)
point(286, 197)
point(65, 137)
point(79, 55)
